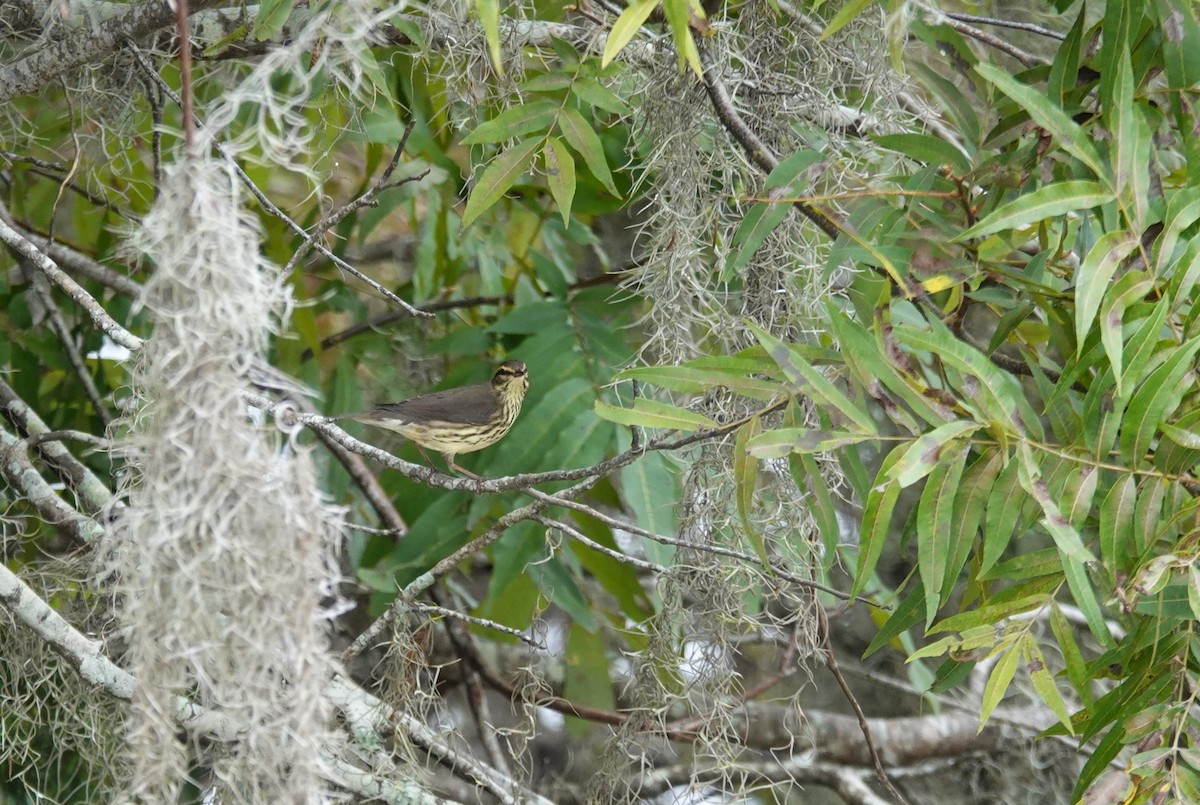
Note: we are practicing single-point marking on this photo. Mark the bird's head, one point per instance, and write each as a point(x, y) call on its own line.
point(511, 379)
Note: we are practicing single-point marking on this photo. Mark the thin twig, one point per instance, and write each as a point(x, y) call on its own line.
point(104, 322)
point(476, 621)
point(1000, 23)
point(364, 200)
point(832, 665)
point(185, 76)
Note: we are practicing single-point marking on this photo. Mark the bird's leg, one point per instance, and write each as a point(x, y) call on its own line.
point(450, 463)
point(425, 455)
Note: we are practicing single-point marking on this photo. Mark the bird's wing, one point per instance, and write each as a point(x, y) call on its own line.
point(470, 405)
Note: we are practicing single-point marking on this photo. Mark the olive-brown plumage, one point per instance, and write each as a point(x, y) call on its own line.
point(460, 420)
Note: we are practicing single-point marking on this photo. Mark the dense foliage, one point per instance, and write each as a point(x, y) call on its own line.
point(923, 348)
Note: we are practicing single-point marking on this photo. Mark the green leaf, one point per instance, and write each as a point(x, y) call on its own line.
point(803, 375)
point(1076, 668)
point(990, 614)
point(1094, 275)
point(271, 17)
point(876, 522)
point(1130, 289)
point(1065, 536)
point(1043, 684)
point(648, 487)
point(1003, 511)
point(1085, 599)
point(497, 178)
point(778, 443)
point(845, 15)
point(999, 395)
point(554, 579)
point(626, 26)
point(864, 355)
point(585, 669)
point(1078, 494)
point(998, 681)
point(514, 122)
point(1131, 146)
point(591, 91)
point(693, 380)
point(745, 479)
point(1073, 139)
point(906, 615)
point(969, 508)
point(1154, 401)
point(926, 148)
point(1116, 522)
point(1183, 210)
point(925, 452)
point(784, 175)
point(560, 175)
point(489, 20)
point(678, 14)
point(761, 220)
point(653, 414)
point(808, 477)
point(935, 522)
point(1050, 201)
point(583, 138)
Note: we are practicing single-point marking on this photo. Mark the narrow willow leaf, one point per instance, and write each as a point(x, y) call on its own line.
point(1131, 146)
point(935, 522)
point(1043, 683)
point(906, 615)
point(1179, 451)
point(809, 380)
point(626, 26)
point(489, 19)
point(678, 17)
point(1078, 494)
point(990, 614)
point(1065, 69)
point(998, 682)
point(1193, 575)
point(1077, 671)
point(560, 176)
point(1050, 201)
point(864, 355)
point(1065, 536)
point(1085, 599)
point(808, 476)
point(1094, 276)
point(1003, 510)
point(745, 479)
point(592, 92)
point(1116, 522)
point(694, 380)
point(925, 452)
point(761, 220)
point(271, 17)
point(778, 443)
point(969, 508)
point(876, 521)
point(1183, 210)
point(1154, 401)
point(784, 175)
point(844, 16)
point(1130, 289)
point(514, 122)
point(1073, 139)
point(583, 138)
point(1148, 513)
point(498, 177)
point(926, 148)
point(998, 395)
point(653, 414)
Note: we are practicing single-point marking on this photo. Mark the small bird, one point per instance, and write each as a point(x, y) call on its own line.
point(460, 420)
